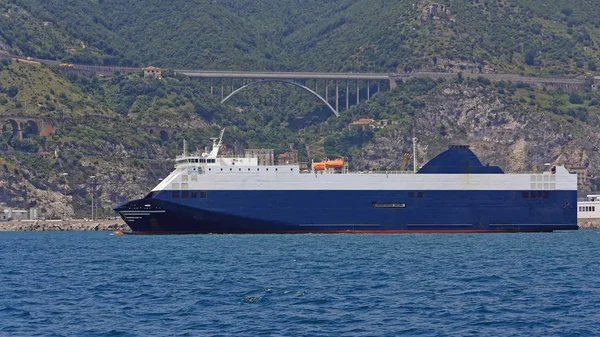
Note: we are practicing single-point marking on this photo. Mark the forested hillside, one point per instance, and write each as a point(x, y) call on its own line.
point(557, 37)
point(108, 126)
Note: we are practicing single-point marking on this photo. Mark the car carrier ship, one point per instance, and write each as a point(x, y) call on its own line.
point(452, 193)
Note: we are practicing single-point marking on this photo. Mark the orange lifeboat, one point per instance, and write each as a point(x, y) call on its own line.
point(327, 164)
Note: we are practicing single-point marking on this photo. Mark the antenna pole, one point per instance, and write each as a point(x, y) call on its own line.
point(414, 154)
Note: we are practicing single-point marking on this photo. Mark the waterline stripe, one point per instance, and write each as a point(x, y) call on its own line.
point(440, 225)
point(339, 225)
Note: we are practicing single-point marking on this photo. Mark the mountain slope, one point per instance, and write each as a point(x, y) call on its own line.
point(557, 38)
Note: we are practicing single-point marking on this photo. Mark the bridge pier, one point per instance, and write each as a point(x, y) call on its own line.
point(357, 92)
point(347, 96)
point(337, 95)
point(368, 90)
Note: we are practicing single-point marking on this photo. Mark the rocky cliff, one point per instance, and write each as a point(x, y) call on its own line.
point(500, 131)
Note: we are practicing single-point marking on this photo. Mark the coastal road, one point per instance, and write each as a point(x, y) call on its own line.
point(549, 82)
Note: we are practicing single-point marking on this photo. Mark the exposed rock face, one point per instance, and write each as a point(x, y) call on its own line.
point(589, 223)
point(498, 132)
point(28, 226)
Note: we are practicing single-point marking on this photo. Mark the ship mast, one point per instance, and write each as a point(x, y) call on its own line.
point(216, 146)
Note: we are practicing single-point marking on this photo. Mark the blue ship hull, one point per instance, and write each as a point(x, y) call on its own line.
point(359, 211)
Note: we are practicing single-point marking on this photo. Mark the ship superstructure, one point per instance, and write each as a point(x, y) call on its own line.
point(454, 192)
point(589, 208)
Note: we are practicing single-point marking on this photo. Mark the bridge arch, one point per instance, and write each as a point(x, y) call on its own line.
point(17, 131)
point(31, 127)
point(164, 135)
point(282, 81)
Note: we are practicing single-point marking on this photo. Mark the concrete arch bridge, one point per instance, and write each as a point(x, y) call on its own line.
point(334, 90)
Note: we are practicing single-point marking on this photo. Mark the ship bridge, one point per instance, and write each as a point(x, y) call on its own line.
point(186, 161)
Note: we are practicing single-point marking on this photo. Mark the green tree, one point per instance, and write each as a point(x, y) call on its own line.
point(530, 56)
point(575, 98)
point(12, 91)
point(567, 11)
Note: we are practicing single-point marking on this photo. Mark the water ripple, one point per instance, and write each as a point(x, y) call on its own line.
point(92, 284)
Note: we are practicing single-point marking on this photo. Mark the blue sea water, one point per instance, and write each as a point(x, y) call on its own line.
point(94, 284)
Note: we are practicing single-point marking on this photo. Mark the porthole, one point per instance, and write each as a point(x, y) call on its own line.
point(291, 169)
point(210, 169)
point(275, 169)
point(257, 169)
point(248, 169)
point(267, 168)
point(240, 168)
point(230, 169)
point(221, 169)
